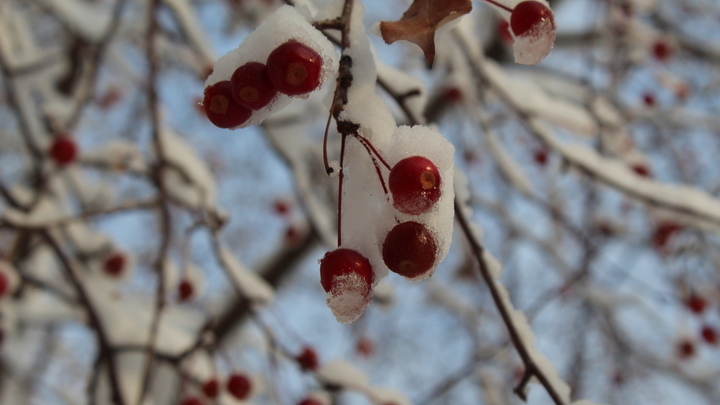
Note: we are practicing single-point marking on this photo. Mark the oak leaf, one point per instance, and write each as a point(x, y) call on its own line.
point(421, 20)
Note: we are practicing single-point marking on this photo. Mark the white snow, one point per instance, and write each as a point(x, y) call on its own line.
point(343, 374)
point(251, 286)
point(349, 297)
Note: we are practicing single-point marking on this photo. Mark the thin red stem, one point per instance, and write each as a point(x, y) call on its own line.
point(364, 143)
point(340, 189)
point(502, 6)
point(370, 145)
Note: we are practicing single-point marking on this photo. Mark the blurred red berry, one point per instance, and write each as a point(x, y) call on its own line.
point(63, 150)
point(709, 335)
point(308, 359)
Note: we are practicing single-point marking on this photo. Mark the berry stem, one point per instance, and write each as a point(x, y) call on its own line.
point(502, 6)
point(370, 145)
point(364, 143)
point(340, 188)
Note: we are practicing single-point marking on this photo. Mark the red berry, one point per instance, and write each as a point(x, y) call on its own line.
point(191, 401)
point(662, 50)
point(340, 262)
point(211, 388)
point(220, 107)
point(503, 29)
point(308, 359)
point(185, 290)
point(409, 249)
point(310, 401)
point(528, 14)
point(114, 264)
point(663, 232)
point(685, 349)
point(541, 156)
point(452, 95)
point(239, 386)
point(709, 335)
point(641, 170)
point(649, 100)
point(4, 284)
point(294, 68)
point(63, 150)
point(251, 86)
point(365, 347)
point(281, 207)
point(696, 303)
point(415, 185)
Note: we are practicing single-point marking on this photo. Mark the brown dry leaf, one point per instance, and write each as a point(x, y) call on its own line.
point(421, 20)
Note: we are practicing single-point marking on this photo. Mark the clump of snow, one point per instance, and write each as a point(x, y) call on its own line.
point(249, 284)
point(534, 45)
point(343, 374)
point(282, 26)
point(349, 297)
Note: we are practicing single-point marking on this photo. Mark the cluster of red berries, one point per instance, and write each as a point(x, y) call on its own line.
point(292, 69)
point(409, 249)
point(238, 385)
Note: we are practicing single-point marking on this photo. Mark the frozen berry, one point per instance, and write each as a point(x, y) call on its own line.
point(220, 107)
point(409, 249)
point(251, 86)
point(415, 185)
point(63, 150)
point(238, 385)
point(185, 290)
point(308, 359)
point(341, 262)
point(211, 388)
point(709, 335)
point(191, 401)
point(529, 14)
point(294, 68)
point(696, 303)
point(114, 264)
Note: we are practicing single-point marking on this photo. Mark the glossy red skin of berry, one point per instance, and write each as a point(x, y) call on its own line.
point(185, 290)
point(528, 14)
point(251, 86)
point(343, 261)
point(308, 359)
point(211, 388)
point(409, 249)
point(239, 386)
point(414, 183)
point(191, 401)
point(709, 335)
point(63, 150)
point(294, 68)
point(220, 107)
point(4, 284)
point(114, 264)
